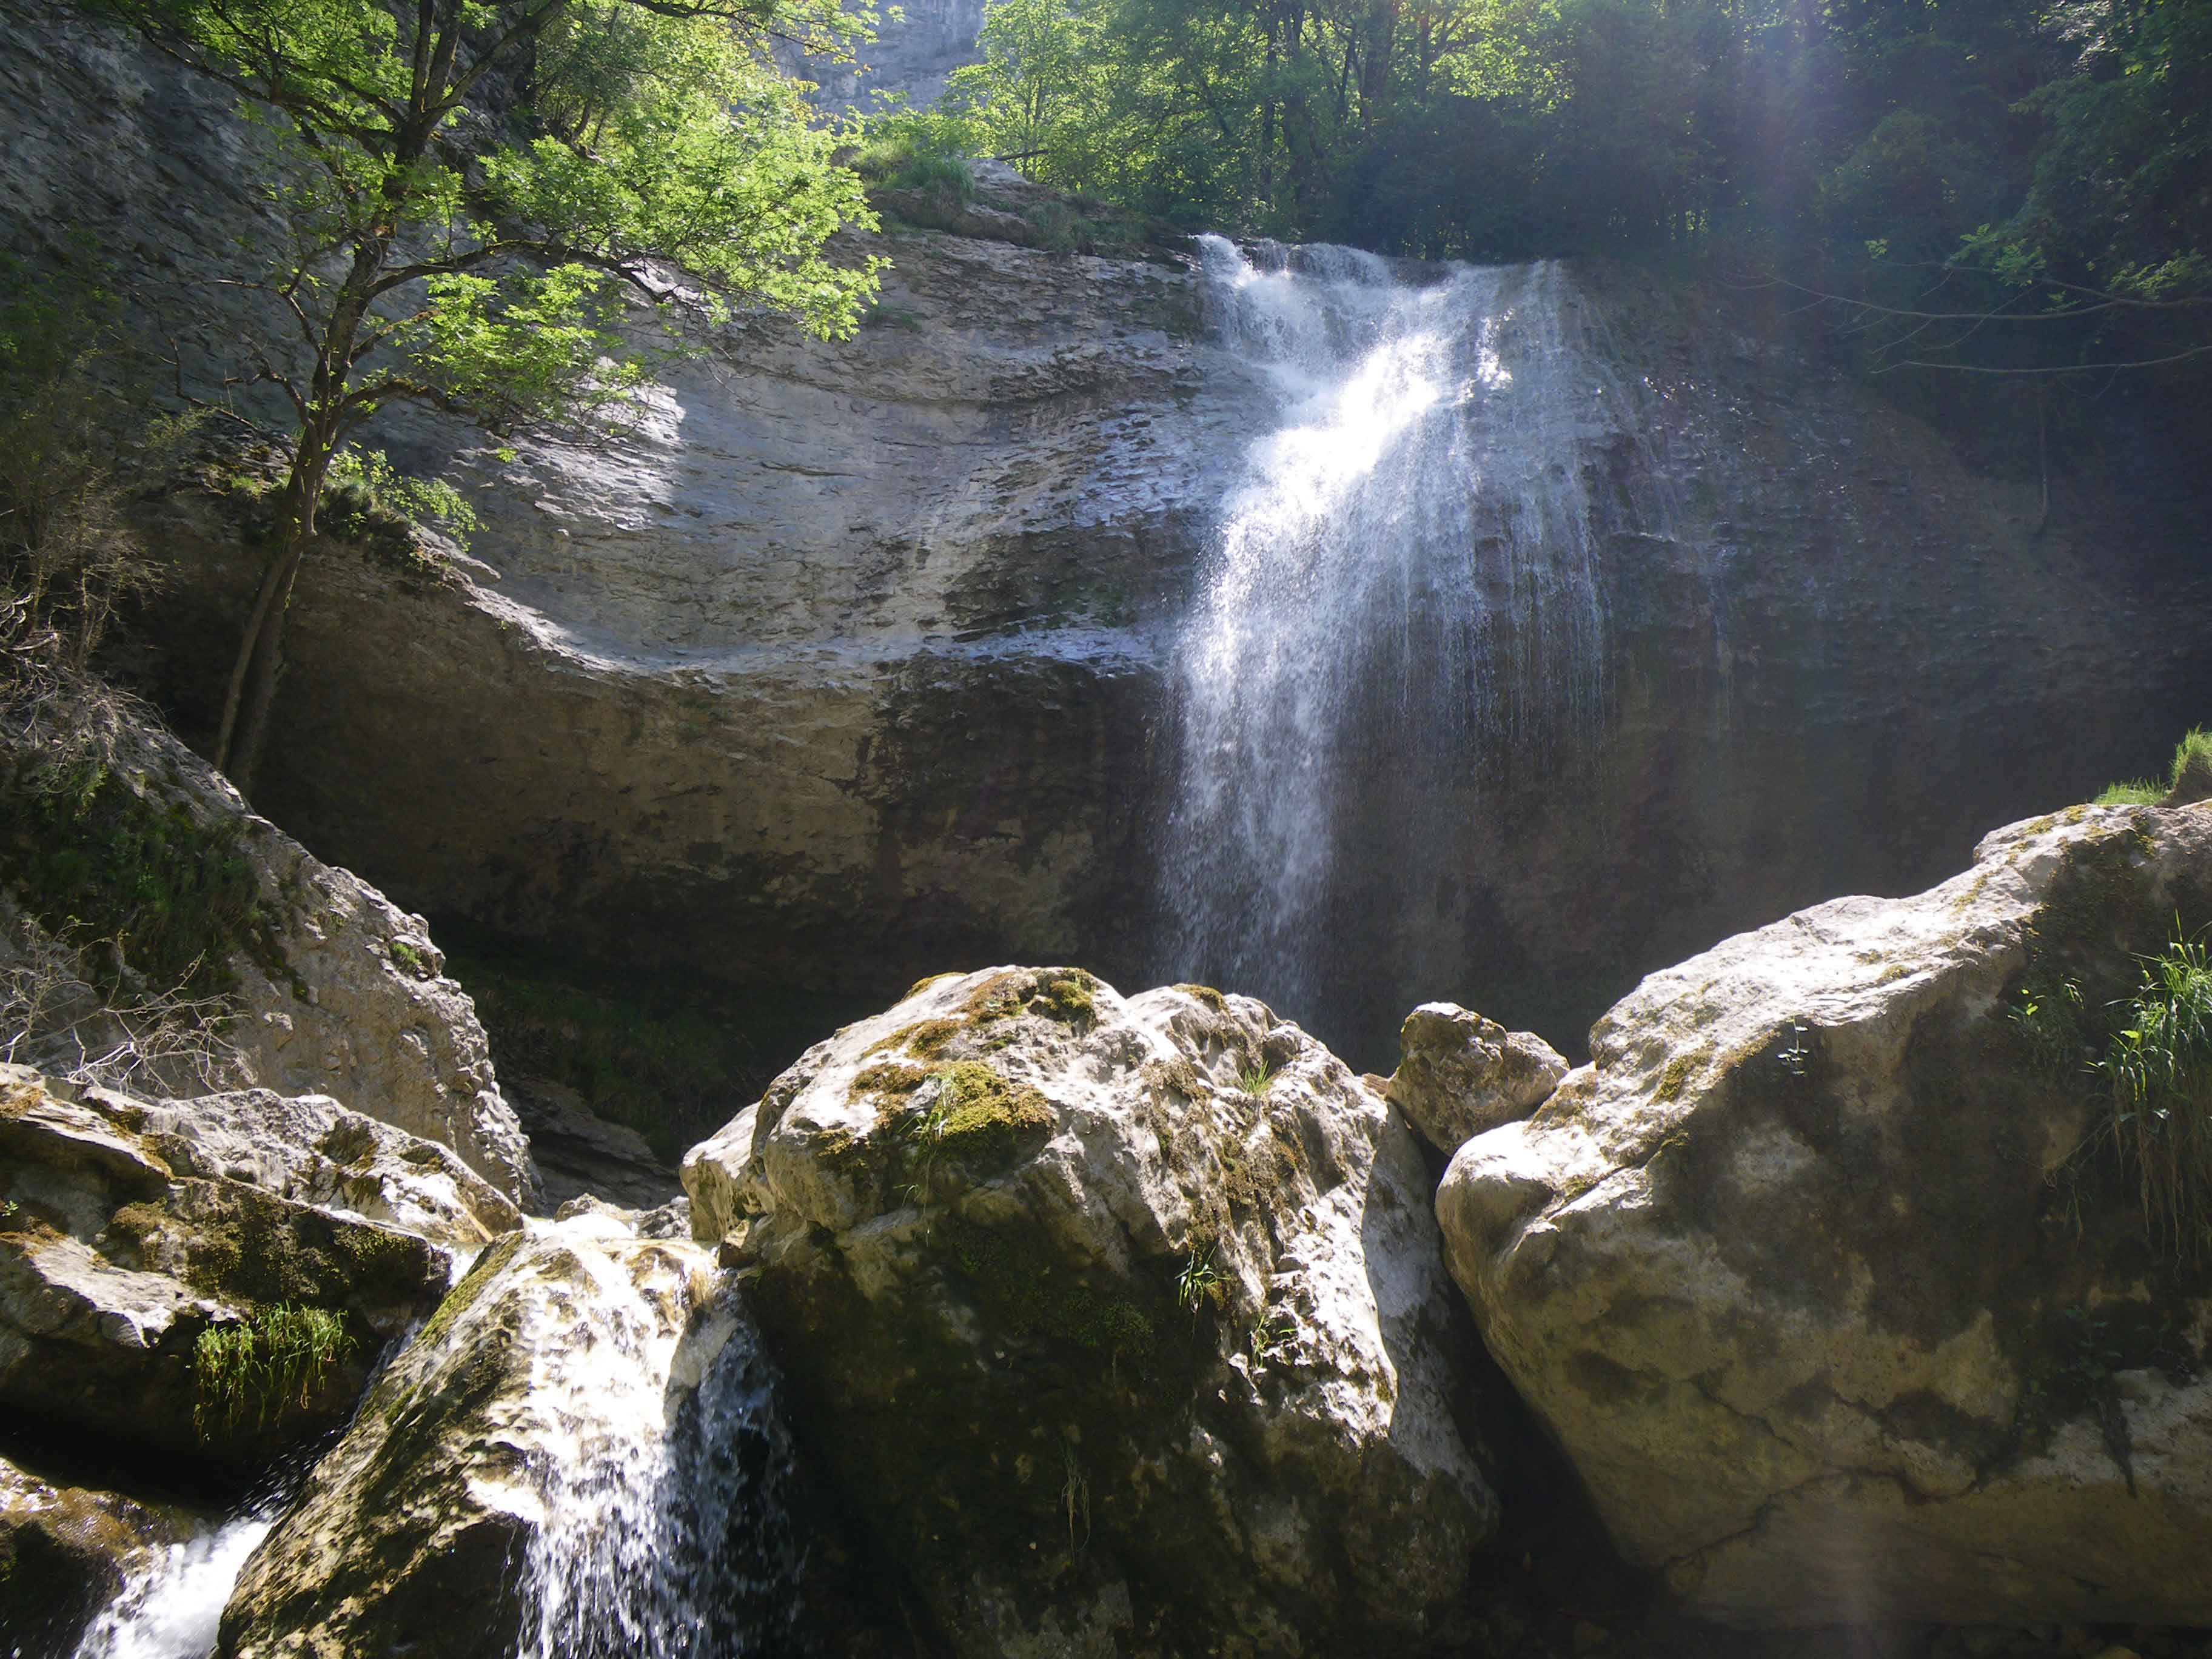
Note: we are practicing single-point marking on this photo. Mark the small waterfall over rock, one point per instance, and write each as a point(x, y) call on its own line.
point(1405, 613)
point(663, 1539)
point(170, 1608)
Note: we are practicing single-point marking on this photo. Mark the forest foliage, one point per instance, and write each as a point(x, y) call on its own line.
point(1949, 159)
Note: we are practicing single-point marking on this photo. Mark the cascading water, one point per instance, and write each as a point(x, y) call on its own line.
point(170, 1607)
point(1405, 611)
point(654, 1474)
point(662, 1539)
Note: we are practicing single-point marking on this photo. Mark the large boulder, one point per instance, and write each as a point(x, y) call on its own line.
point(176, 1281)
point(1827, 1277)
point(328, 988)
point(578, 1441)
point(1121, 1322)
point(1461, 1074)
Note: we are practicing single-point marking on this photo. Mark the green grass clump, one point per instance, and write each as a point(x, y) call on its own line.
point(258, 1366)
point(2159, 1067)
point(2192, 765)
point(2135, 791)
point(920, 150)
point(2189, 779)
point(91, 858)
point(1256, 1080)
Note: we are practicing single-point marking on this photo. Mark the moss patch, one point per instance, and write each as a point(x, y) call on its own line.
point(1018, 1286)
point(927, 1038)
point(90, 857)
point(459, 1300)
point(985, 1119)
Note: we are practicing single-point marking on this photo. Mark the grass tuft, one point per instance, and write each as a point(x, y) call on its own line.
point(2136, 792)
point(2158, 1068)
point(260, 1365)
point(2189, 779)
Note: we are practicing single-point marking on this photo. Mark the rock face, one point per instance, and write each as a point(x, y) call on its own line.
point(180, 1280)
point(1122, 1323)
point(1828, 1281)
point(432, 1527)
point(335, 991)
point(576, 1153)
point(851, 661)
point(1461, 1074)
point(912, 57)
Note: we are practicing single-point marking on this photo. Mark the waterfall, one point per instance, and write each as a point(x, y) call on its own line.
point(170, 1606)
point(1404, 612)
point(657, 1480)
point(661, 1539)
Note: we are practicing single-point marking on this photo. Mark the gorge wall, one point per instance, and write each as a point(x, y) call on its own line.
point(850, 662)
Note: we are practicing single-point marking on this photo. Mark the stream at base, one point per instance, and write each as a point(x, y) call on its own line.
point(170, 1608)
point(667, 1534)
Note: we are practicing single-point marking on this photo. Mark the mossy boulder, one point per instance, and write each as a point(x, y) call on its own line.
point(1120, 1323)
point(1829, 1279)
point(157, 1299)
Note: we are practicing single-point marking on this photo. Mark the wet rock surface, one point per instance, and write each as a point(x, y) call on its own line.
point(564, 1450)
point(64, 1551)
point(1828, 1279)
point(1120, 1323)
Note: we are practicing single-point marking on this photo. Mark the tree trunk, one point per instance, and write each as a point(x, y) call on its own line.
point(254, 675)
point(261, 688)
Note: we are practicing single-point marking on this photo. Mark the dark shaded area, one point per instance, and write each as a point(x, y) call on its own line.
point(672, 1053)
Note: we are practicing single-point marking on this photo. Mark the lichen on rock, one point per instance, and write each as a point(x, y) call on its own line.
point(1112, 1353)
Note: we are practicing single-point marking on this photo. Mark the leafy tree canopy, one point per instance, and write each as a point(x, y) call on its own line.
point(475, 191)
point(1954, 171)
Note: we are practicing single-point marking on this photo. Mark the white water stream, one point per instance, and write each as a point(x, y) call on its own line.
point(1405, 600)
point(659, 1532)
point(169, 1609)
point(661, 1539)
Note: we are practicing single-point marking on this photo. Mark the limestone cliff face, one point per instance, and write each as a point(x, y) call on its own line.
point(849, 662)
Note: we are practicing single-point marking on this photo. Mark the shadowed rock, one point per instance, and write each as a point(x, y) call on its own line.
point(1827, 1277)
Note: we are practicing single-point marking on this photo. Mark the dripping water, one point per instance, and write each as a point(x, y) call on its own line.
point(1404, 616)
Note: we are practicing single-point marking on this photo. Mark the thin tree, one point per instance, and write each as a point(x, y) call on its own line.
point(476, 190)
